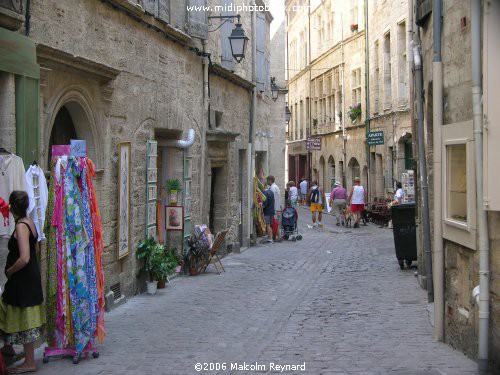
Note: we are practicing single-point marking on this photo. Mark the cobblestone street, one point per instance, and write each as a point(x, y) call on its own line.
point(337, 301)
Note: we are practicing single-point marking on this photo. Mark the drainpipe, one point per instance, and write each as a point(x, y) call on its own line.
point(204, 127)
point(180, 143)
point(367, 110)
point(437, 124)
point(423, 169)
point(251, 131)
point(482, 218)
point(410, 27)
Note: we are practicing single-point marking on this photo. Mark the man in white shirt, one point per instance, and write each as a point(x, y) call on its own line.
point(303, 190)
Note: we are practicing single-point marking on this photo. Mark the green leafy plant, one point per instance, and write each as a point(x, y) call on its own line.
point(355, 112)
point(158, 263)
point(173, 184)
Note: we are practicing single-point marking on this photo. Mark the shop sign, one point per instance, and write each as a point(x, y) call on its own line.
point(313, 143)
point(375, 138)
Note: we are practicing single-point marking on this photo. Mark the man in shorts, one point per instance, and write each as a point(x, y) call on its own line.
point(316, 198)
point(357, 199)
point(303, 190)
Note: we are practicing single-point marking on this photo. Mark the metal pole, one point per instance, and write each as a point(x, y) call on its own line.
point(437, 123)
point(344, 135)
point(251, 135)
point(482, 216)
point(367, 96)
point(423, 170)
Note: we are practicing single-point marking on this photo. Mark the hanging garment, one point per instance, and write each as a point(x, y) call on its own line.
point(4, 211)
point(36, 187)
point(98, 249)
point(76, 243)
point(90, 266)
point(11, 178)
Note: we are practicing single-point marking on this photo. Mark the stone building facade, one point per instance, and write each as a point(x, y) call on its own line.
point(136, 71)
point(326, 64)
point(457, 202)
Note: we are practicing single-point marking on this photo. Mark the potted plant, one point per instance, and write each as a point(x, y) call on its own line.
point(354, 27)
point(155, 264)
point(355, 112)
point(173, 186)
point(169, 263)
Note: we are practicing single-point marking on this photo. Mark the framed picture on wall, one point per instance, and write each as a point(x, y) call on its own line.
point(152, 172)
point(152, 232)
point(151, 213)
point(174, 217)
point(152, 191)
point(124, 170)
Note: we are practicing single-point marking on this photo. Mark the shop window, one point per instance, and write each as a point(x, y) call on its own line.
point(456, 189)
point(459, 188)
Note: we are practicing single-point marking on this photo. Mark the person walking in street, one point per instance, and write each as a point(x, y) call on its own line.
point(293, 194)
point(338, 200)
point(316, 198)
point(303, 190)
point(400, 194)
point(268, 208)
point(357, 199)
point(277, 201)
point(22, 314)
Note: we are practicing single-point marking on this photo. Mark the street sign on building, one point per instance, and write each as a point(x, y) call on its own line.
point(375, 138)
point(313, 143)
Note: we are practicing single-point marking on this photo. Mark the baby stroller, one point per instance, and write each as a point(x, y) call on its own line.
point(289, 224)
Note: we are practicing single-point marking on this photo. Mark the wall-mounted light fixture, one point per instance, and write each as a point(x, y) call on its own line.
point(276, 90)
point(238, 40)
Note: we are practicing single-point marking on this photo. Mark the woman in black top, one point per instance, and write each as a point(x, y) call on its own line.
point(21, 307)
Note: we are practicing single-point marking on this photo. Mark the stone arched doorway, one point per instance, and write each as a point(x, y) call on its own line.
point(322, 170)
point(353, 170)
point(331, 168)
point(72, 118)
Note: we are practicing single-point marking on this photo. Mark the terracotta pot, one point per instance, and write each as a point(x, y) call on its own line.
point(161, 284)
point(193, 271)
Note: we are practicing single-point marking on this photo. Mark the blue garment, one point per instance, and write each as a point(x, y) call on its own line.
point(268, 205)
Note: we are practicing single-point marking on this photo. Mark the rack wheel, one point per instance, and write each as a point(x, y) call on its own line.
point(401, 264)
point(294, 239)
point(408, 263)
point(299, 237)
point(285, 237)
point(95, 354)
point(45, 359)
point(76, 360)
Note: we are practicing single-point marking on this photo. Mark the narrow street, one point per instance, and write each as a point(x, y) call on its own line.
point(336, 301)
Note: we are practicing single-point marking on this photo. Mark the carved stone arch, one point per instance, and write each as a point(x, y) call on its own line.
point(77, 102)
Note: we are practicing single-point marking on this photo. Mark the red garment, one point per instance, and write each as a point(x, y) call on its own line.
point(4, 210)
point(357, 208)
point(274, 225)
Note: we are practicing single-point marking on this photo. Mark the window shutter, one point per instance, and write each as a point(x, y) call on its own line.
point(197, 19)
point(150, 6)
point(227, 60)
point(164, 10)
point(261, 51)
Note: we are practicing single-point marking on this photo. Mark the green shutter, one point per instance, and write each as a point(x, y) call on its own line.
point(27, 118)
point(18, 54)
point(408, 156)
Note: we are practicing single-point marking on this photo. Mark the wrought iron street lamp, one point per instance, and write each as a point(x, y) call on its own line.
point(238, 40)
point(276, 90)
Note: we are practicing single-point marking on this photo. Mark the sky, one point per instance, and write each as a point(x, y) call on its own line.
point(278, 12)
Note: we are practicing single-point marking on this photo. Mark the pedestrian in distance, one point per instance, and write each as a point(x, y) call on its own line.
point(399, 195)
point(304, 187)
point(268, 208)
point(22, 314)
point(316, 199)
point(357, 199)
point(293, 194)
point(338, 200)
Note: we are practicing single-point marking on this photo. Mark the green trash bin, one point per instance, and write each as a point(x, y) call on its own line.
point(404, 231)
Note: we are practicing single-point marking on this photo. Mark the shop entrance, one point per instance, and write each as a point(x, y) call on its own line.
point(63, 130)
point(219, 200)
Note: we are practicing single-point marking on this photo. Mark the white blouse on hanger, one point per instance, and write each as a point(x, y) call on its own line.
point(36, 187)
point(11, 178)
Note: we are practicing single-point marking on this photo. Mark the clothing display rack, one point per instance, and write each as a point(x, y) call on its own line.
point(75, 280)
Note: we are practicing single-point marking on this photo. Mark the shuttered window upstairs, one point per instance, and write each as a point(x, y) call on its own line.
point(197, 18)
point(227, 60)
